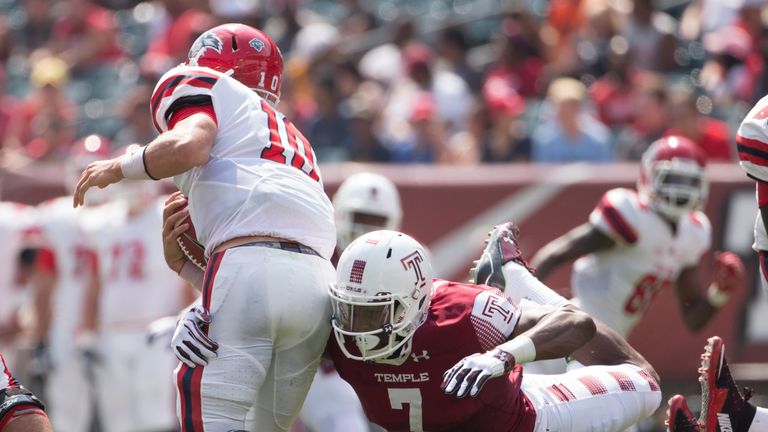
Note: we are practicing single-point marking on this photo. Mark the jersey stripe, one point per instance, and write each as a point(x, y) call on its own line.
point(167, 87)
point(593, 384)
point(752, 150)
point(617, 222)
point(624, 381)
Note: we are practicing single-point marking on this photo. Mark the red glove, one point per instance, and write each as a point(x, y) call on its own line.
point(729, 277)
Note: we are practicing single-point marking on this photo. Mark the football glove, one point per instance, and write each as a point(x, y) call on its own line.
point(190, 344)
point(729, 277)
point(470, 374)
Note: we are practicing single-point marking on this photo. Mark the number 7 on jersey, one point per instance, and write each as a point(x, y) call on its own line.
point(408, 396)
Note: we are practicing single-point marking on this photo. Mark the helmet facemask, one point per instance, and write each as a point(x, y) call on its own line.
point(380, 325)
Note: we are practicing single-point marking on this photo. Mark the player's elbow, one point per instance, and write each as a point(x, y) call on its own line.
point(192, 151)
point(585, 326)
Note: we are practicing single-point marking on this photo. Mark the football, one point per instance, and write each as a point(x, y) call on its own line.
point(190, 246)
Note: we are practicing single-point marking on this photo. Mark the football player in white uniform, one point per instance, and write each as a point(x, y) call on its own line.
point(365, 202)
point(16, 221)
point(639, 242)
point(65, 270)
point(136, 288)
point(752, 144)
point(256, 200)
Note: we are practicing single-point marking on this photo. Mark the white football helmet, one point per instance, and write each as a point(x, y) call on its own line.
point(381, 295)
point(672, 177)
point(365, 202)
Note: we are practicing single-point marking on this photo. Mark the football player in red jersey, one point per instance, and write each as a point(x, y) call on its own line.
point(256, 199)
point(639, 242)
point(20, 410)
point(427, 354)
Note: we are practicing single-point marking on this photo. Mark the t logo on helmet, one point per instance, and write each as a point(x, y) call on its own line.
point(414, 260)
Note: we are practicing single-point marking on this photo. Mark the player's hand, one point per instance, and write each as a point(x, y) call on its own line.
point(172, 229)
point(729, 277)
point(729, 271)
point(473, 371)
point(98, 174)
point(190, 343)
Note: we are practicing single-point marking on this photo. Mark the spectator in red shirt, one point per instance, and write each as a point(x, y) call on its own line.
point(517, 62)
point(614, 93)
point(86, 35)
point(712, 135)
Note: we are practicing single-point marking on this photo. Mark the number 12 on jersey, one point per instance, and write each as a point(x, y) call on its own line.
point(290, 148)
point(398, 398)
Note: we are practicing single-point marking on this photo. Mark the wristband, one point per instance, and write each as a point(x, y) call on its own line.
point(132, 165)
point(521, 347)
point(717, 297)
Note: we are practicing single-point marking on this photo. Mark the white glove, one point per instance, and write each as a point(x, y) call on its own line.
point(190, 344)
point(473, 371)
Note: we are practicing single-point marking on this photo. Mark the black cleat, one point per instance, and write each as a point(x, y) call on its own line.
point(723, 408)
point(501, 248)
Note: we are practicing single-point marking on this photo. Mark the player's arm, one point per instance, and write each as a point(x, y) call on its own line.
point(187, 145)
point(582, 240)
point(698, 308)
point(21, 411)
point(30, 422)
point(43, 282)
point(542, 332)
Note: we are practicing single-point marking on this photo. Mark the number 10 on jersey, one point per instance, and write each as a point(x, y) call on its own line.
point(290, 148)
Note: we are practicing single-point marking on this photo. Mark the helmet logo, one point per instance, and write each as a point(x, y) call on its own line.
point(256, 44)
point(414, 260)
point(356, 275)
point(205, 41)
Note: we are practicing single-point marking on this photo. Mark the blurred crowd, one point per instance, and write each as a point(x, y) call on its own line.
point(445, 81)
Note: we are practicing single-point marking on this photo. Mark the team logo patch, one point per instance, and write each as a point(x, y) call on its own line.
point(205, 41)
point(356, 275)
point(256, 44)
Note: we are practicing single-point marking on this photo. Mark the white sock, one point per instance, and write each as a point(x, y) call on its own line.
point(760, 422)
point(521, 284)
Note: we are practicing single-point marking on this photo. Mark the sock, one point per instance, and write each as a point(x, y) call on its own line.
point(521, 284)
point(760, 421)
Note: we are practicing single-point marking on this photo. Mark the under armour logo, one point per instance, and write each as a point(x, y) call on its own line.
point(424, 355)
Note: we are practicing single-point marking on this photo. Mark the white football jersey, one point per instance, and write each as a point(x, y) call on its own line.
point(64, 231)
point(14, 220)
point(752, 144)
point(618, 285)
point(262, 177)
point(137, 287)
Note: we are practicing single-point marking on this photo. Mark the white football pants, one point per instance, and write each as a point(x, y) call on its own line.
point(271, 317)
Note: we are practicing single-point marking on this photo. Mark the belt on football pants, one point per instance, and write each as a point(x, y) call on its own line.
point(283, 245)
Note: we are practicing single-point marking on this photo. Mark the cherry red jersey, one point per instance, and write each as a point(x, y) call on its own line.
point(463, 320)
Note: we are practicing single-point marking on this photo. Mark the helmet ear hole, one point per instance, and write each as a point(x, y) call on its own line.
point(234, 43)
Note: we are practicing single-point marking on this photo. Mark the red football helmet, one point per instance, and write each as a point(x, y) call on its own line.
point(248, 54)
point(672, 176)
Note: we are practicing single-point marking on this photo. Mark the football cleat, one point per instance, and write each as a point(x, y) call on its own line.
point(679, 416)
point(723, 408)
point(501, 247)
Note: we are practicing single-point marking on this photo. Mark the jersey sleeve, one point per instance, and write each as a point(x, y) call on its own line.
point(181, 87)
point(616, 215)
point(494, 317)
point(700, 240)
point(752, 141)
